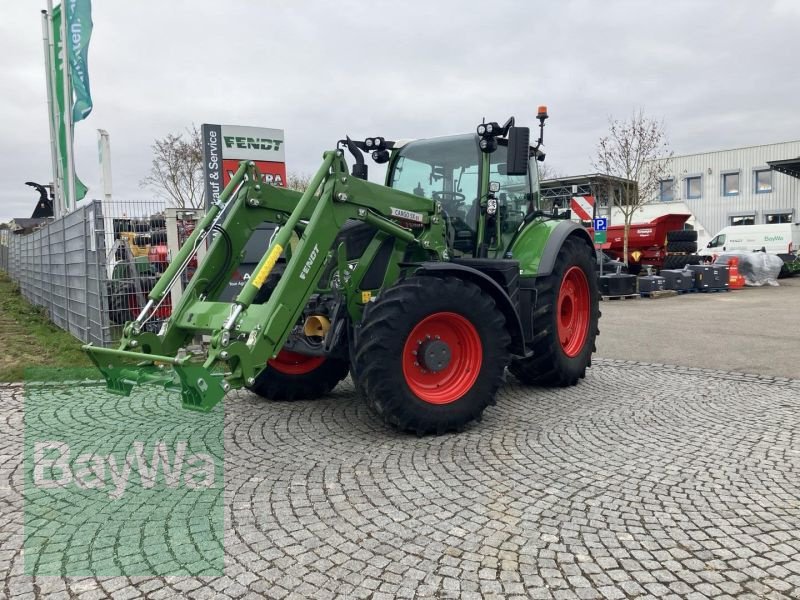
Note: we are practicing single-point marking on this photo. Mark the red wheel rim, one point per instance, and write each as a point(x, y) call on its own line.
point(292, 363)
point(437, 384)
point(572, 311)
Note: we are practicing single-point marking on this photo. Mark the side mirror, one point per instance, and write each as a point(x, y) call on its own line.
point(518, 151)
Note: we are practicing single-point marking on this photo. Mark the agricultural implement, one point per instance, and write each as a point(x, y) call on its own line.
point(423, 289)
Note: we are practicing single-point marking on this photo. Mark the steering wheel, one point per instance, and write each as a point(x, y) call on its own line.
point(457, 196)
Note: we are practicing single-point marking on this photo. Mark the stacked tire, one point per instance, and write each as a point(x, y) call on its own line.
point(681, 249)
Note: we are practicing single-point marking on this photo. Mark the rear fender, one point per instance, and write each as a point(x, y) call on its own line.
point(488, 285)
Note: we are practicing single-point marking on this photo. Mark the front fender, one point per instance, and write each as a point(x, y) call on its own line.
point(488, 285)
point(539, 243)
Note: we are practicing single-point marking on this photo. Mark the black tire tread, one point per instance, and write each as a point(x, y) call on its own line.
point(676, 261)
point(274, 385)
point(545, 367)
point(387, 319)
point(676, 246)
point(682, 235)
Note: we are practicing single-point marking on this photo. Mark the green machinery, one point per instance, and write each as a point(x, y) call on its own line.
point(423, 289)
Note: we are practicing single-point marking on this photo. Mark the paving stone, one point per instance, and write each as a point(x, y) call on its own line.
point(643, 481)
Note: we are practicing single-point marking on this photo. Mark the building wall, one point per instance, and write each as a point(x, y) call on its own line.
point(713, 210)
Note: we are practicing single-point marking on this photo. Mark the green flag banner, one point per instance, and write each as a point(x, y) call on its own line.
point(58, 84)
point(79, 30)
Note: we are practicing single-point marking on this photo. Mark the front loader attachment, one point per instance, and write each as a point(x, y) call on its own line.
point(200, 389)
point(231, 342)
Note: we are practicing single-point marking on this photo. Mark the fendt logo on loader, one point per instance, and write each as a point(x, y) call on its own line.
point(310, 262)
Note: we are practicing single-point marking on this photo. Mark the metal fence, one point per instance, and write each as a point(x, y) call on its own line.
point(4, 235)
point(92, 269)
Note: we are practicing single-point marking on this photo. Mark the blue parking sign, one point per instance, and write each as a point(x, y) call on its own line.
point(601, 224)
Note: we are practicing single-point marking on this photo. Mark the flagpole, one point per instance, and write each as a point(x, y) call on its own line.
point(70, 196)
point(50, 118)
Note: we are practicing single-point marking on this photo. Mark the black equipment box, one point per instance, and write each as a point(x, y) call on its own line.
point(618, 284)
point(677, 279)
point(651, 283)
point(710, 277)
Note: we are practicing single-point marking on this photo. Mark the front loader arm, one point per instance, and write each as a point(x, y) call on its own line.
point(243, 335)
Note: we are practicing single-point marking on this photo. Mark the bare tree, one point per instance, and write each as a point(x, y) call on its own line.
point(637, 154)
point(548, 171)
point(298, 181)
point(176, 172)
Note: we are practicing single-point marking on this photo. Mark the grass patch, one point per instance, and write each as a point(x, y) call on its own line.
point(28, 339)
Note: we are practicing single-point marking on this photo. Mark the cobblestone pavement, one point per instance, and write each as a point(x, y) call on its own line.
point(643, 481)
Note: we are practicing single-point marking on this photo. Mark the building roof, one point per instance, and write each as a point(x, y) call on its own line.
point(790, 166)
point(718, 150)
point(572, 179)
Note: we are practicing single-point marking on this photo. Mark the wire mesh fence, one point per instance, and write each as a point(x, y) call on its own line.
point(59, 267)
point(135, 242)
point(93, 269)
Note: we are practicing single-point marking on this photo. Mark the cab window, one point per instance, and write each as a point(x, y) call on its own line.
point(445, 170)
point(717, 241)
point(512, 199)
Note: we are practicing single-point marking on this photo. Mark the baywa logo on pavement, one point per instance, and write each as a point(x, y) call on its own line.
point(96, 471)
point(121, 485)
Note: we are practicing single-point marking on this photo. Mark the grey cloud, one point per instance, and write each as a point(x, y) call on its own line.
point(720, 74)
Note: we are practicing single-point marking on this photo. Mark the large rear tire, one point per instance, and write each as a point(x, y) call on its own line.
point(431, 354)
point(564, 321)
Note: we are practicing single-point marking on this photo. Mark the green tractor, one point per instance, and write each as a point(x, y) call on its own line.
point(423, 289)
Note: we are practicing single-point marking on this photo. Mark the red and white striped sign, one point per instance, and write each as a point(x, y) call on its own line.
point(583, 207)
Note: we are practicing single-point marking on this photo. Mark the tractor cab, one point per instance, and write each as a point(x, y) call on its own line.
point(485, 183)
point(449, 170)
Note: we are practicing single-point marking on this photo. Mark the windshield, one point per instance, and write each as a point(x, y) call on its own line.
point(439, 168)
point(447, 170)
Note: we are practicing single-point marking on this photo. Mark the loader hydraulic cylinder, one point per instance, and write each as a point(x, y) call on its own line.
point(281, 239)
point(190, 246)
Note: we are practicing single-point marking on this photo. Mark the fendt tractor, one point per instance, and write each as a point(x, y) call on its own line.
point(423, 289)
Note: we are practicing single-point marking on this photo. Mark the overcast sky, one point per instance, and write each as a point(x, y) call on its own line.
point(719, 73)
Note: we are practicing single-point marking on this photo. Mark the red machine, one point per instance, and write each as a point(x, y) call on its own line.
point(647, 242)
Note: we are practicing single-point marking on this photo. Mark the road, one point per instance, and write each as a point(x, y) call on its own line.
point(753, 330)
point(643, 481)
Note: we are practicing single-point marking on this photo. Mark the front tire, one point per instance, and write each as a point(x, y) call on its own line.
point(431, 354)
point(564, 320)
point(293, 376)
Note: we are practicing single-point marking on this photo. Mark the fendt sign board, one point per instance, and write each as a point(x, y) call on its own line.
point(225, 145)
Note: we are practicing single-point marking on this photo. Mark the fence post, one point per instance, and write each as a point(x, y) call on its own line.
point(66, 272)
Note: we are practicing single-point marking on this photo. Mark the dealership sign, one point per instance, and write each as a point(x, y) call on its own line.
point(225, 145)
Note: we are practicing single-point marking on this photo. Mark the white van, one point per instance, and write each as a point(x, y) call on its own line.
point(782, 239)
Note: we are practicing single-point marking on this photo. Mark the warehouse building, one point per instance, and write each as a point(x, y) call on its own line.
point(743, 186)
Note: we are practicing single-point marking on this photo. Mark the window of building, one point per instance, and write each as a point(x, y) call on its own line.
point(743, 220)
point(666, 190)
point(694, 187)
point(763, 178)
point(778, 217)
point(730, 184)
